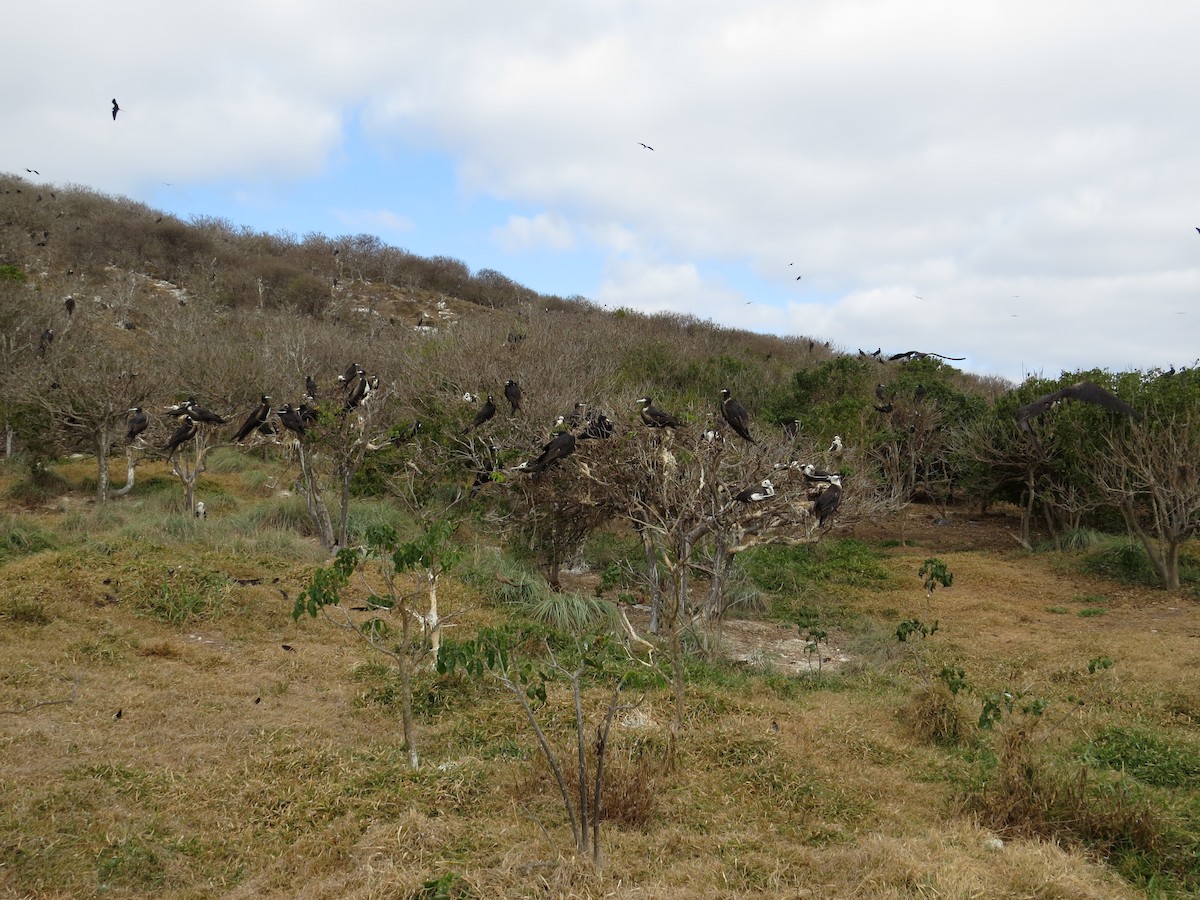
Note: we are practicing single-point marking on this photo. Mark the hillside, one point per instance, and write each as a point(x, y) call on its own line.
point(812, 715)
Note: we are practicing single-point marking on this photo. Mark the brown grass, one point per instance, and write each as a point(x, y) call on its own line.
point(243, 769)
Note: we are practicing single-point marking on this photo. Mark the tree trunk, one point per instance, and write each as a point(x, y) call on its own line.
point(317, 510)
point(432, 620)
point(406, 712)
point(130, 468)
point(655, 579)
point(102, 444)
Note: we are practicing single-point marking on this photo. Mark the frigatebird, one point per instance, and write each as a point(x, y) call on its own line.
point(655, 417)
point(758, 493)
point(485, 413)
point(116, 109)
point(831, 498)
point(735, 414)
point(256, 418)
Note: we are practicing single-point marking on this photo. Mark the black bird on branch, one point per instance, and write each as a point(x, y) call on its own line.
point(512, 393)
point(598, 428)
point(735, 414)
point(182, 435)
point(137, 422)
point(255, 419)
point(485, 414)
point(560, 447)
point(290, 419)
point(204, 415)
point(655, 417)
point(310, 388)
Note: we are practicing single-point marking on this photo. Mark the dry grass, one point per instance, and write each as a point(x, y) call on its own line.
point(240, 768)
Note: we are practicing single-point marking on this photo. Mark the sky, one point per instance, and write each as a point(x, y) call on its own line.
point(1012, 182)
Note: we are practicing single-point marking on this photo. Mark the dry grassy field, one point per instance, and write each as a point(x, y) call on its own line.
point(168, 730)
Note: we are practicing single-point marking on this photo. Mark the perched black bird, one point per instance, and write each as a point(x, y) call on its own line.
point(486, 466)
point(290, 419)
point(485, 414)
point(886, 408)
point(357, 395)
point(831, 498)
point(352, 372)
point(256, 418)
point(116, 109)
point(919, 393)
point(879, 393)
point(204, 415)
point(735, 414)
point(308, 415)
point(560, 447)
point(181, 409)
point(655, 417)
point(137, 422)
point(577, 416)
point(791, 429)
point(45, 341)
point(512, 393)
point(405, 434)
point(182, 435)
point(598, 428)
point(758, 493)
point(69, 303)
point(310, 388)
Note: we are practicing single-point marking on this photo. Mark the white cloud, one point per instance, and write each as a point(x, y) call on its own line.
point(963, 152)
point(522, 233)
point(381, 222)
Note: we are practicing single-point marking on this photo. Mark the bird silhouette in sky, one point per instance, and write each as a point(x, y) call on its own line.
point(116, 109)
point(647, 146)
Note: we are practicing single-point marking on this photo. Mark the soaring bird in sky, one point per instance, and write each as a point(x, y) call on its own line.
point(116, 109)
point(647, 146)
point(735, 414)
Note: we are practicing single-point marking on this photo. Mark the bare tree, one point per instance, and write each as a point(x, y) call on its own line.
point(1152, 473)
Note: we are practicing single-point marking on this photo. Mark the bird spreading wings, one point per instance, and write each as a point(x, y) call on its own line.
point(116, 109)
point(921, 354)
point(1084, 392)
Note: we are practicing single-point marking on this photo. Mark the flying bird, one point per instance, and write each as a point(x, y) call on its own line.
point(512, 393)
point(647, 146)
point(255, 419)
point(137, 422)
point(1084, 392)
point(182, 435)
point(758, 493)
point(735, 414)
point(116, 109)
point(655, 417)
point(485, 413)
point(831, 498)
point(921, 354)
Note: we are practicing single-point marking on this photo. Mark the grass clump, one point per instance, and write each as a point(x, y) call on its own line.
point(846, 563)
point(20, 537)
point(936, 715)
point(1145, 756)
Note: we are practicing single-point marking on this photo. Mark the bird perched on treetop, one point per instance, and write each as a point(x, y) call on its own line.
point(257, 416)
point(485, 413)
point(735, 414)
point(512, 393)
point(655, 417)
point(137, 422)
point(182, 435)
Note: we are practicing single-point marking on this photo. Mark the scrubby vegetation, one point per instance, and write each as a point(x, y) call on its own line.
point(979, 680)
